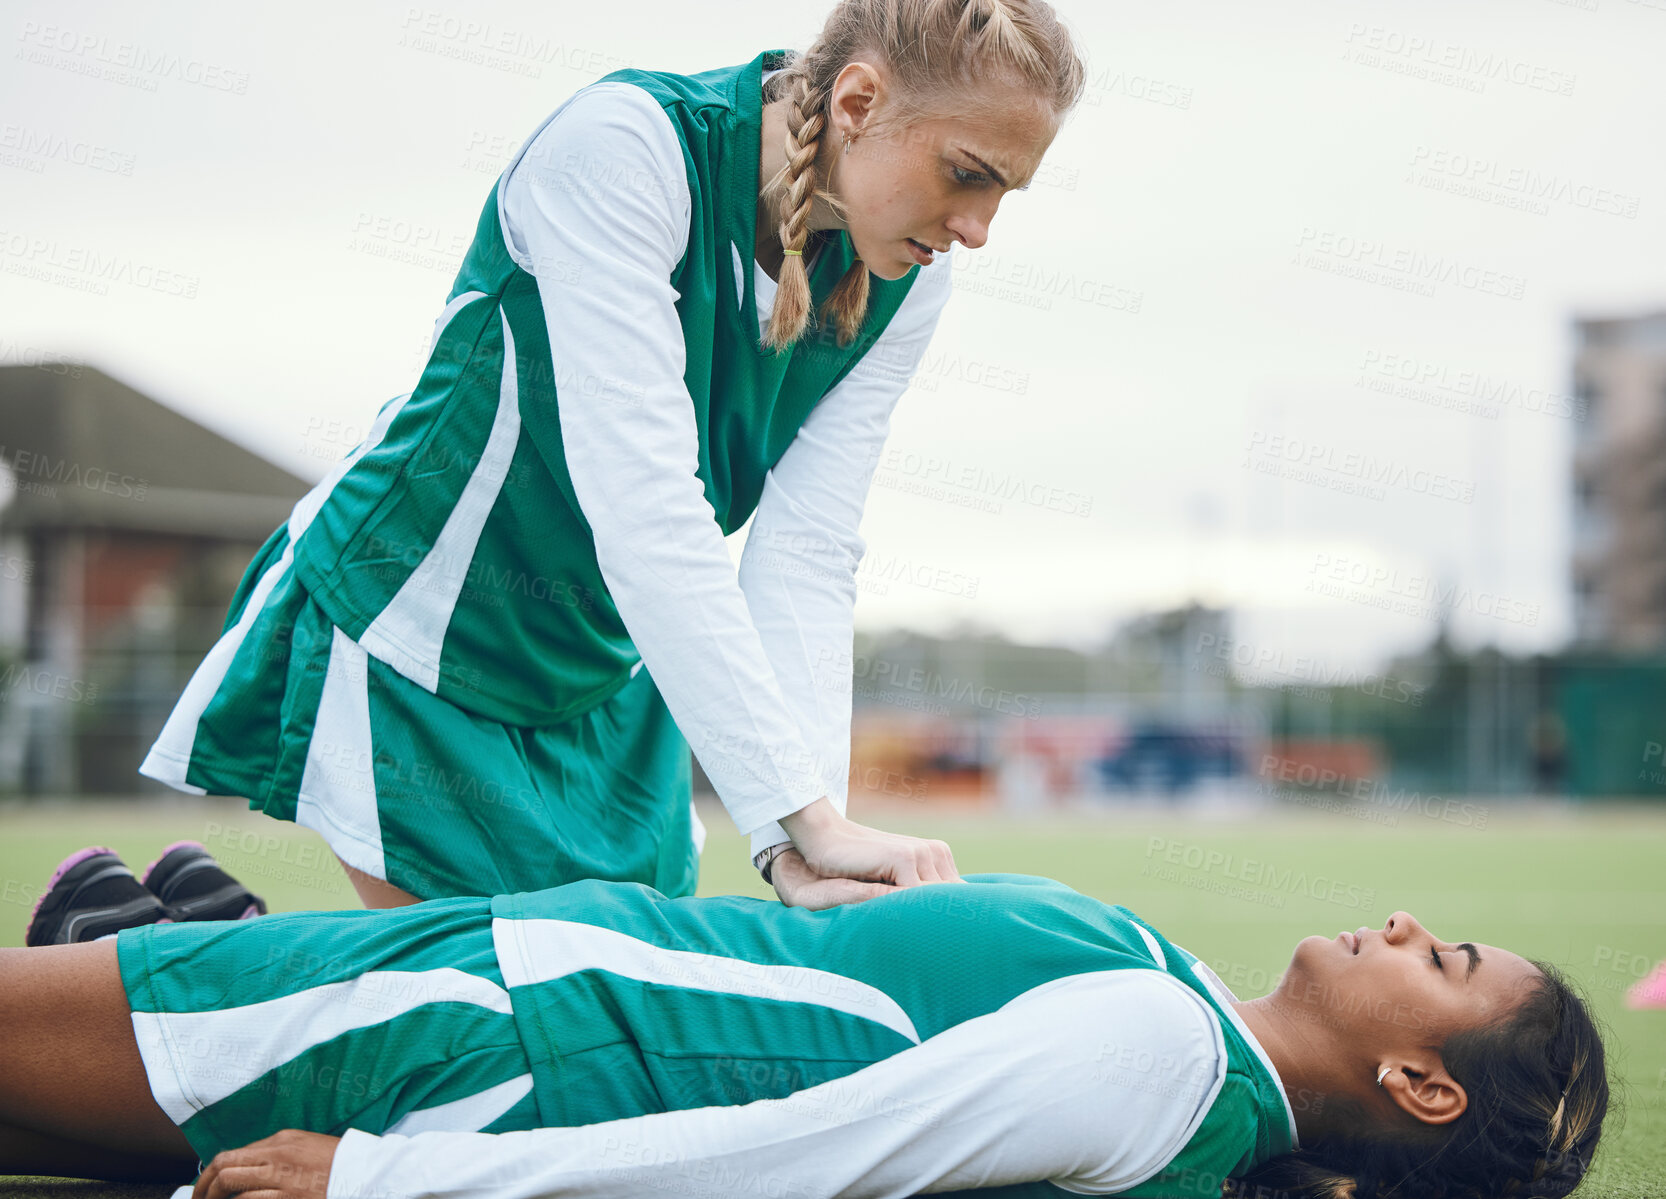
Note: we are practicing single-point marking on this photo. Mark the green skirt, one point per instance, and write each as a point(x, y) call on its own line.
point(292, 714)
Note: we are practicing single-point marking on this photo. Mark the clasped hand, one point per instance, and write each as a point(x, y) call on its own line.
point(834, 860)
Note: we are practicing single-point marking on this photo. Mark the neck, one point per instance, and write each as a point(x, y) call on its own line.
point(1312, 1063)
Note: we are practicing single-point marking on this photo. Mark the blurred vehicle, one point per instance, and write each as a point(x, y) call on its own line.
point(1159, 756)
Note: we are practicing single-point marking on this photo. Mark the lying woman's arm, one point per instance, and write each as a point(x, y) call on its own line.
point(1093, 1082)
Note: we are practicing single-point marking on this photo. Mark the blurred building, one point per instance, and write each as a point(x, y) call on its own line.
point(124, 529)
point(1619, 484)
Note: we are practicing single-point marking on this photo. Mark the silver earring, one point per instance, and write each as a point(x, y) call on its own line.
point(847, 143)
point(1383, 1073)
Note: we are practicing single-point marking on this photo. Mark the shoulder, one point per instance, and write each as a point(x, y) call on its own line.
point(1139, 1007)
point(1156, 1010)
point(607, 120)
point(1150, 1061)
point(1138, 1034)
point(605, 169)
point(714, 89)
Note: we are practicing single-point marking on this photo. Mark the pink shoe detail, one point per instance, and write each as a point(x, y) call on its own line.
point(1651, 992)
point(145, 877)
point(250, 912)
point(74, 859)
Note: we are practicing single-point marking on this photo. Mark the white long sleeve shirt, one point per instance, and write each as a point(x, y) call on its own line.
point(1093, 1082)
point(751, 665)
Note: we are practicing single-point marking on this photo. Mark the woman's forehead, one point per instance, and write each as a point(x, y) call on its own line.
point(1510, 964)
point(1015, 121)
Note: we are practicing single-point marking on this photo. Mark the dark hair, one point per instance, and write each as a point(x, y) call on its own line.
point(1538, 1091)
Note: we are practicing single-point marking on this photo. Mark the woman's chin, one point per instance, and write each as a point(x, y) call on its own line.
point(892, 270)
point(1309, 952)
point(890, 266)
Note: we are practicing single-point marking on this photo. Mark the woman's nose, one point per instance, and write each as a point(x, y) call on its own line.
point(970, 231)
point(1400, 927)
point(971, 224)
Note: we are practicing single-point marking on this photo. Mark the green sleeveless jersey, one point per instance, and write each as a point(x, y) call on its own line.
point(630, 1003)
point(454, 548)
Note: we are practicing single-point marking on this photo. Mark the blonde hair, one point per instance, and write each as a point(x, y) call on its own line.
point(933, 53)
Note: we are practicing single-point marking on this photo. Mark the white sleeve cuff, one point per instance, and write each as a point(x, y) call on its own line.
point(353, 1172)
point(770, 834)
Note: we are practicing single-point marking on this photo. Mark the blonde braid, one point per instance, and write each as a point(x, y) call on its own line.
point(848, 305)
point(791, 312)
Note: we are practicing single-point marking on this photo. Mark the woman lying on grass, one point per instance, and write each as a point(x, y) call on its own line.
point(599, 1039)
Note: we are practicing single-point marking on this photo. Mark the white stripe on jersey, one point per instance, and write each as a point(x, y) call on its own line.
point(471, 1113)
point(301, 517)
point(170, 757)
point(194, 1059)
point(451, 310)
point(337, 795)
point(409, 633)
point(1151, 944)
point(535, 951)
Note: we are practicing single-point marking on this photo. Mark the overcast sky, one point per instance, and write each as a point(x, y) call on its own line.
point(1236, 344)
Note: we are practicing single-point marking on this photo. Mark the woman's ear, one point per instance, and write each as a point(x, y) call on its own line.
point(1425, 1091)
point(854, 92)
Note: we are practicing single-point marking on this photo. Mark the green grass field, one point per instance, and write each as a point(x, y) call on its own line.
point(1584, 890)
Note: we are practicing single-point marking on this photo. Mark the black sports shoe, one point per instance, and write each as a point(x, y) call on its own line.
point(92, 894)
point(195, 887)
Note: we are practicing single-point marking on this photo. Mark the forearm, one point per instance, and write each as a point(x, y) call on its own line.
point(799, 568)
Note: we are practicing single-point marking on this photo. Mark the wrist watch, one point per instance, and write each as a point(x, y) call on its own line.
point(765, 858)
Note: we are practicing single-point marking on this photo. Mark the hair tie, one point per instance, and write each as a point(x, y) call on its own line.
point(800, 253)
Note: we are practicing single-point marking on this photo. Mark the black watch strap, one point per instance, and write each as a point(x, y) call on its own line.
point(766, 859)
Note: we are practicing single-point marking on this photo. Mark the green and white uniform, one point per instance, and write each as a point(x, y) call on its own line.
point(439, 661)
point(1010, 1032)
